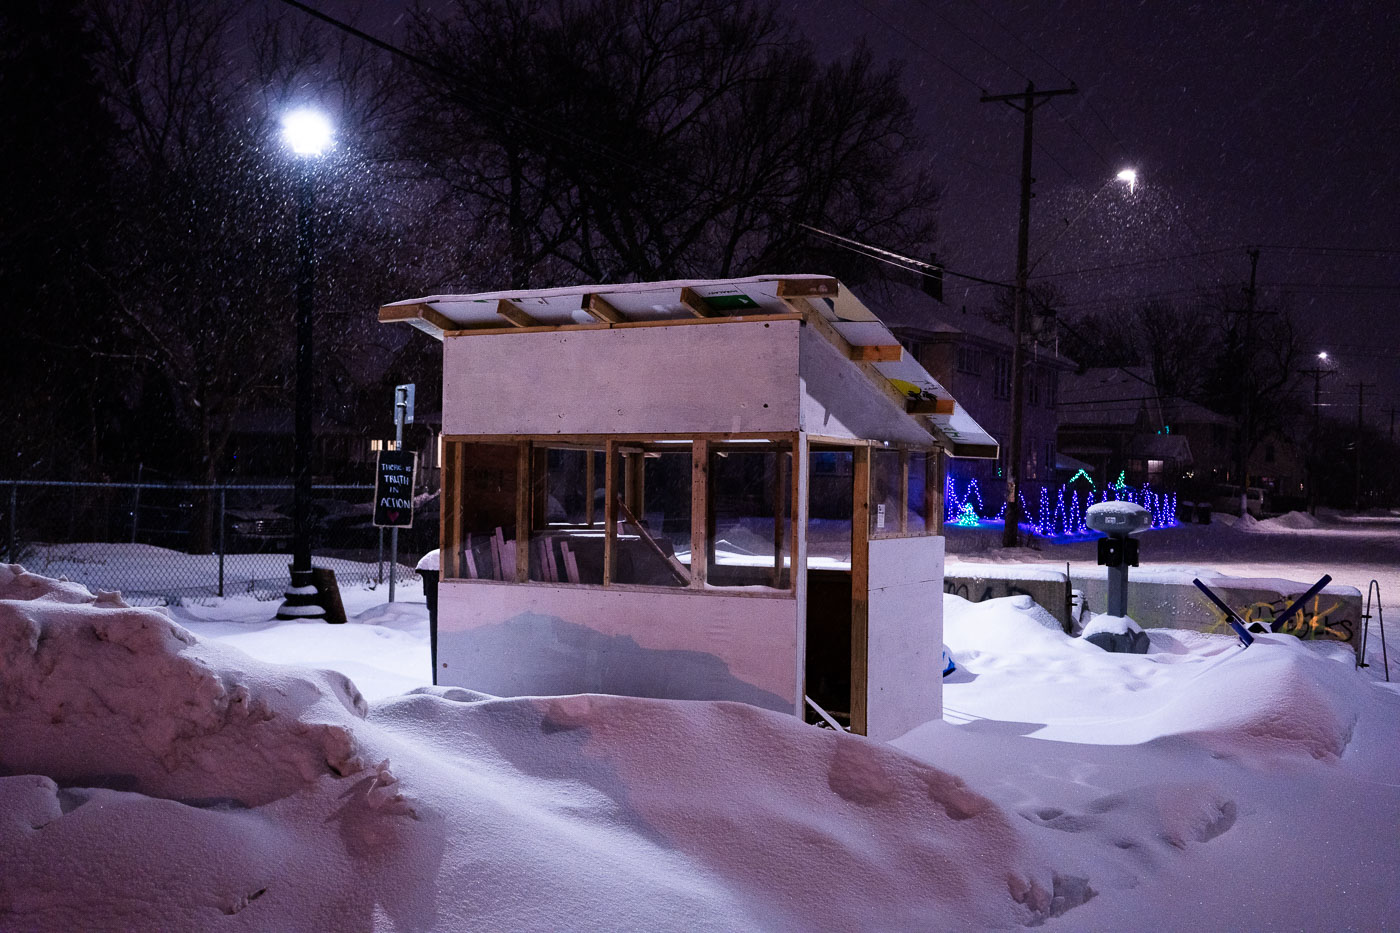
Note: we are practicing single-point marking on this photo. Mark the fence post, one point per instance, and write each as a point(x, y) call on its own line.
point(12, 555)
point(136, 503)
point(222, 493)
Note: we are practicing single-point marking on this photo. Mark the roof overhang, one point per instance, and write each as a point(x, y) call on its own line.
point(821, 302)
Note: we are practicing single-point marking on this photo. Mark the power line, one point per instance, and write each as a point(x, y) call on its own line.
point(953, 26)
point(919, 45)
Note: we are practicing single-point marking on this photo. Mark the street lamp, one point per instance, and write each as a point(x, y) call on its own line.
point(1010, 535)
point(308, 134)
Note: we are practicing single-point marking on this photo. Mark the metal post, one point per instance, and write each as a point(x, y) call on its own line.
point(381, 557)
point(12, 554)
point(222, 494)
point(400, 406)
point(1118, 590)
point(302, 601)
point(136, 503)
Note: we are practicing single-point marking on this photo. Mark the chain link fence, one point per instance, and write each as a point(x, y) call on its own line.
point(165, 543)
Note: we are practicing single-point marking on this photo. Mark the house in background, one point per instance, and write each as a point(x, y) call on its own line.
point(1111, 418)
point(971, 357)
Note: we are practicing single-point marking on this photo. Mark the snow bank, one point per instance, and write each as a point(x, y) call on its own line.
point(1289, 521)
point(152, 780)
point(1279, 697)
point(96, 693)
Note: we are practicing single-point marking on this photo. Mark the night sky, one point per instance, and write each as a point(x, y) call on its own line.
point(1250, 124)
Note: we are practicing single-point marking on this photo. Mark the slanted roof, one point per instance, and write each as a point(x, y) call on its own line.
point(909, 310)
point(820, 301)
point(1108, 396)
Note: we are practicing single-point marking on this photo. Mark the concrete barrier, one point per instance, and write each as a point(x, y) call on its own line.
point(1168, 598)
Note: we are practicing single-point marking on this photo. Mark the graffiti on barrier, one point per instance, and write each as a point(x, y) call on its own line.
point(1323, 617)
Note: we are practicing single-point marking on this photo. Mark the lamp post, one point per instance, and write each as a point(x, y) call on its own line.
point(1318, 373)
point(308, 133)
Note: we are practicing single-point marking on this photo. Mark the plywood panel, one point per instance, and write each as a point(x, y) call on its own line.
point(905, 678)
point(839, 401)
point(548, 640)
point(665, 380)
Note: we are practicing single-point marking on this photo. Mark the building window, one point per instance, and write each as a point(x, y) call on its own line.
point(567, 521)
point(651, 484)
point(691, 512)
point(969, 360)
point(899, 484)
point(915, 347)
point(1001, 378)
point(750, 515)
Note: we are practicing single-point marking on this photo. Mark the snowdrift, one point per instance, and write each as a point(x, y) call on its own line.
point(155, 781)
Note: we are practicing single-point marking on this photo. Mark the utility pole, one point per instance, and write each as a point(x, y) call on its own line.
point(1391, 411)
point(1026, 102)
point(1317, 373)
point(1246, 417)
point(1360, 387)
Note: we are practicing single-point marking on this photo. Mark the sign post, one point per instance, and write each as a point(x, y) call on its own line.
point(394, 481)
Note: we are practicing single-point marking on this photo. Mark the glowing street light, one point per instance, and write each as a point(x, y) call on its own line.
point(308, 133)
point(1130, 176)
point(1323, 356)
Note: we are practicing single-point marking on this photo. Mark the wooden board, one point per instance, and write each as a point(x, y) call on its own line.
point(719, 378)
point(506, 640)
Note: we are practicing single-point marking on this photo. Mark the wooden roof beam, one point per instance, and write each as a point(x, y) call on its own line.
point(420, 311)
point(929, 406)
point(696, 304)
point(600, 309)
point(807, 288)
point(516, 314)
point(884, 353)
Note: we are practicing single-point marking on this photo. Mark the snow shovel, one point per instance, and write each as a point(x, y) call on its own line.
point(1235, 621)
point(1297, 604)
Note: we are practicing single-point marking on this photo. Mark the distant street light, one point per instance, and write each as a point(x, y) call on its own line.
point(308, 133)
point(1011, 521)
point(1322, 356)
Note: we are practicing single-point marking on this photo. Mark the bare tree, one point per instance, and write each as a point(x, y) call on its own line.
point(606, 140)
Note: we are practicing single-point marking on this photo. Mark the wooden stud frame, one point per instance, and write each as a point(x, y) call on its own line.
point(528, 491)
point(860, 586)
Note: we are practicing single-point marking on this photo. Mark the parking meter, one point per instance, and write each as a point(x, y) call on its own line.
point(1119, 551)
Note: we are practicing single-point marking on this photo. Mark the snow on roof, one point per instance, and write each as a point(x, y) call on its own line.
point(817, 299)
point(1110, 395)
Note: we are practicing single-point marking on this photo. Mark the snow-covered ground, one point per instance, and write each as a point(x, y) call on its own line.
point(166, 780)
point(1354, 550)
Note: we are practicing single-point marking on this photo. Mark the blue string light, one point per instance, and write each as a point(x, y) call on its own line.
point(1061, 510)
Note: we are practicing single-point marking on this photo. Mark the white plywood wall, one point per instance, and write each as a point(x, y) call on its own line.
point(704, 378)
point(905, 674)
point(838, 400)
point(522, 640)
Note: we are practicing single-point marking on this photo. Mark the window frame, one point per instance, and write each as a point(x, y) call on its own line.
point(528, 487)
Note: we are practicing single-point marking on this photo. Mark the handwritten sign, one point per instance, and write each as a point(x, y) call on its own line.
point(393, 489)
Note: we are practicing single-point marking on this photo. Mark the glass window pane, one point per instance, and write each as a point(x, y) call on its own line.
point(917, 495)
point(484, 485)
point(566, 537)
point(652, 485)
point(829, 508)
point(750, 526)
point(886, 486)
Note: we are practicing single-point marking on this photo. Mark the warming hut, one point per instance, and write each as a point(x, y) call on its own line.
point(725, 489)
